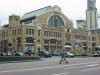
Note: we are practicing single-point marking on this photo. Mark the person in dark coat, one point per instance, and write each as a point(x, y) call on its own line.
point(63, 57)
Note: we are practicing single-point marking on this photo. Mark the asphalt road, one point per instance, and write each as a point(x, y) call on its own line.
point(51, 66)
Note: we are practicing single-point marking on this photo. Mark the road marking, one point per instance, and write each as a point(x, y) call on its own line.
point(61, 73)
point(83, 66)
point(46, 67)
point(75, 67)
point(93, 65)
point(91, 69)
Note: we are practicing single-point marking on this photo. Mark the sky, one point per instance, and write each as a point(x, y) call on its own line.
point(73, 9)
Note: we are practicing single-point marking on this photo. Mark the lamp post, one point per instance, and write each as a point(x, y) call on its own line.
point(21, 39)
point(9, 45)
point(35, 36)
point(74, 48)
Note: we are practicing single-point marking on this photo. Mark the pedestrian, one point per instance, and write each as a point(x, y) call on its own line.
point(62, 57)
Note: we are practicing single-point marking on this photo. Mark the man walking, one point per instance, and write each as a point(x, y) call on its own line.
point(62, 57)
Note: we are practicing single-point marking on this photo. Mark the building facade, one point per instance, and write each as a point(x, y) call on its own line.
point(93, 37)
point(46, 28)
point(99, 21)
point(81, 24)
point(91, 15)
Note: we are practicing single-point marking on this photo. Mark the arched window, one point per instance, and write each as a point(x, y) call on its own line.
point(55, 21)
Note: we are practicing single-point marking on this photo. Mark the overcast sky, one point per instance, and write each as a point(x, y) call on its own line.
point(73, 9)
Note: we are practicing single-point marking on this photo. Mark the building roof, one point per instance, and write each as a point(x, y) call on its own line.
point(35, 13)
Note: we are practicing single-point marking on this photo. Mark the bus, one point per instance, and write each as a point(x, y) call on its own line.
point(67, 48)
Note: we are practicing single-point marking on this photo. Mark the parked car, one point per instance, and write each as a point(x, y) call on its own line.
point(68, 54)
point(28, 53)
point(1, 53)
point(84, 54)
point(19, 54)
point(45, 54)
point(96, 54)
point(9, 53)
point(54, 53)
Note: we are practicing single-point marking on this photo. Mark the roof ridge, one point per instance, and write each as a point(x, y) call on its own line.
point(37, 10)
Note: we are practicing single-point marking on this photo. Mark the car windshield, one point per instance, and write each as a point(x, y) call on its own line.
point(68, 53)
point(46, 52)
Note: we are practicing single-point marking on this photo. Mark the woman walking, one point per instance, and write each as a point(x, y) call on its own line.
point(62, 57)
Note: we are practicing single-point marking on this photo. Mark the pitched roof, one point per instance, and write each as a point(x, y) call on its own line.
point(35, 13)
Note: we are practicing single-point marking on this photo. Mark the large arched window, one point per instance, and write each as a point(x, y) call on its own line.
point(55, 21)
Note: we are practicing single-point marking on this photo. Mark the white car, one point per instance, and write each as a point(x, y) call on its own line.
point(68, 54)
point(96, 54)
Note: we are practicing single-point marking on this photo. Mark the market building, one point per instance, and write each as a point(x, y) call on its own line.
point(46, 28)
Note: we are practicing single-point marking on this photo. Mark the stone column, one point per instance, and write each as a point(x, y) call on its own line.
point(62, 43)
point(49, 45)
point(56, 45)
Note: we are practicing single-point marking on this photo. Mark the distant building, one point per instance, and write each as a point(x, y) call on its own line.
point(81, 24)
point(91, 15)
point(99, 21)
